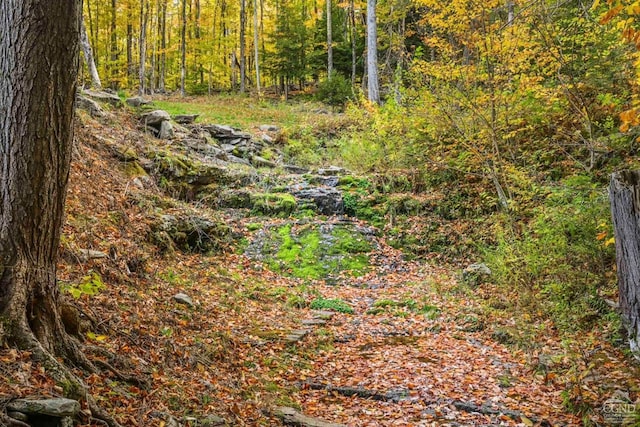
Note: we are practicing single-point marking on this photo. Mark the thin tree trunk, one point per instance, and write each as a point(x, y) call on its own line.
point(373, 90)
point(114, 47)
point(352, 16)
point(329, 40)
point(183, 49)
point(88, 57)
point(130, 66)
point(163, 47)
point(255, 45)
point(144, 18)
point(624, 193)
point(243, 24)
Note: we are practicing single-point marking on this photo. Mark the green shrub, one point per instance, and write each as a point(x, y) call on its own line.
point(560, 263)
point(335, 91)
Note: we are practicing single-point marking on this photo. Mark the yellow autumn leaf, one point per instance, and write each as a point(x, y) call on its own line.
point(611, 241)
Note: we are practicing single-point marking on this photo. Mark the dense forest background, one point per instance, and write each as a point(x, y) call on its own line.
point(511, 115)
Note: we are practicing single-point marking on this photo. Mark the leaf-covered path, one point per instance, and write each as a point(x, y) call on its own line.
point(405, 344)
point(414, 352)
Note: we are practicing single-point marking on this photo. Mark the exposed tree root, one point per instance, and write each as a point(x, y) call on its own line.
point(389, 396)
point(392, 396)
point(74, 387)
point(131, 379)
point(7, 421)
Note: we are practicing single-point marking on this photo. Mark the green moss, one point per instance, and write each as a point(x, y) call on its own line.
point(273, 204)
point(254, 226)
point(311, 254)
point(133, 169)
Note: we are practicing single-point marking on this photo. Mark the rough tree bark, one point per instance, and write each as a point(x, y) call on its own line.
point(373, 91)
point(37, 96)
point(624, 193)
point(37, 92)
point(88, 57)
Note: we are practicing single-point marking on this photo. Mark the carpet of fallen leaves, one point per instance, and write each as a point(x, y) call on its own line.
point(432, 345)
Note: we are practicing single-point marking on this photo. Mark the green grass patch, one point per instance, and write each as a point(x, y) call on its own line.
point(337, 305)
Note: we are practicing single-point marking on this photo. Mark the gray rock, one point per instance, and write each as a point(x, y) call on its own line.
point(266, 138)
point(90, 106)
point(475, 274)
point(292, 417)
point(329, 181)
point(226, 133)
point(185, 119)
point(101, 96)
point(183, 299)
point(314, 322)
point(87, 254)
point(155, 118)
point(166, 130)
point(332, 170)
point(137, 101)
point(235, 159)
point(52, 407)
point(327, 201)
point(212, 421)
point(190, 233)
point(295, 169)
point(261, 162)
point(269, 128)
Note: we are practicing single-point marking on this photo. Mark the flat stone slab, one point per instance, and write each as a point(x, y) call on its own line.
point(314, 322)
point(296, 335)
point(51, 407)
point(291, 417)
point(323, 314)
point(183, 299)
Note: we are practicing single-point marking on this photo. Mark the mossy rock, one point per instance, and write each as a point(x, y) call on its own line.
point(273, 203)
point(235, 199)
point(313, 251)
point(190, 233)
point(171, 165)
point(133, 169)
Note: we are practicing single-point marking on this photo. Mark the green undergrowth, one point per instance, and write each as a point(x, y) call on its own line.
point(337, 305)
point(403, 308)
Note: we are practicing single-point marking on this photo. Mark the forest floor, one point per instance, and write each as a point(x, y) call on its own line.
point(402, 343)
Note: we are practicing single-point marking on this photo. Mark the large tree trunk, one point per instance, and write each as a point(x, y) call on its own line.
point(183, 49)
point(624, 193)
point(37, 93)
point(88, 57)
point(373, 91)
